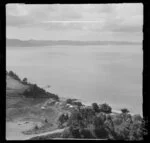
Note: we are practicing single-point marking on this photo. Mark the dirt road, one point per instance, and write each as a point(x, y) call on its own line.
point(14, 131)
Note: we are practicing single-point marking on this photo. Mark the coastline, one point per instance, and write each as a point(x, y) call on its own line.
point(114, 111)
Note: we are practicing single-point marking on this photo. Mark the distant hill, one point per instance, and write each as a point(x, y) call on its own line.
point(31, 43)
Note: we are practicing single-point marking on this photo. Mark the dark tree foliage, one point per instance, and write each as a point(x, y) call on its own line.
point(36, 92)
point(79, 104)
point(69, 101)
point(13, 75)
point(137, 118)
point(86, 133)
point(87, 123)
point(66, 134)
point(105, 108)
point(99, 126)
point(95, 107)
point(127, 129)
point(125, 110)
point(62, 119)
point(25, 81)
point(73, 102)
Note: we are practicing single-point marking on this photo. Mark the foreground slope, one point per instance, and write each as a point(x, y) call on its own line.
point(24, 102)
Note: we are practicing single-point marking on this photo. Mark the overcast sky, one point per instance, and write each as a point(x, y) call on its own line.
point(119, 22)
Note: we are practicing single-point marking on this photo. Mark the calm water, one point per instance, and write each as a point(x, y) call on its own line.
point(111, 74)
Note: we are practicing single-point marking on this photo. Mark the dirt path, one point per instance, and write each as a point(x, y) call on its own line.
point(14, 131)
point(48, 133)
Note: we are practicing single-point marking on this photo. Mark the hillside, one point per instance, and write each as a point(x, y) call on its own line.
point(30, 110)
point(28, 107)
point(17, 87)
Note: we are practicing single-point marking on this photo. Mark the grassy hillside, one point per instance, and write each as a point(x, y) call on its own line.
point(24, 101)
point(28, 103)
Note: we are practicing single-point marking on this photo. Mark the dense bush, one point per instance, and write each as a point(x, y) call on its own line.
point(69, 101)
point(36, 92)
point(25, 81)
point(62, 119)
point(105, 108)
point(124, 110)
point(137, 118)
point(13, 75)
point(95, 107)
point(79, 104)
point(73, 102)
point(127, 129)
point(84, 123)
point(88, 123)
point(66, 134)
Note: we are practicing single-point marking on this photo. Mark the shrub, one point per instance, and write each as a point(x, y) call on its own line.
point(127, 129)
point(136, 118)
point(69, 101)
point(79, 104)
point(13, 75)
point(95, 107)
point(24, 81)
point(105, 108)
point(66, 134)
point(73, 102)
point(86, 133)
point(125, 110)
point(62, 119)
point(36, 92)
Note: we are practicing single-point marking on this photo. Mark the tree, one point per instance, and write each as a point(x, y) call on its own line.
point(126, 129)
point(125, 110)
point(13, 75)
point(105, 108)
point(24, 80)
point(79, 104)
point(62, 119)
point(69, 101)
point(99, 126)
point(136, 118)
point(95, 107)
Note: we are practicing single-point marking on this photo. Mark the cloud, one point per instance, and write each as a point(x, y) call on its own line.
point(105, 17)
point(31, 15)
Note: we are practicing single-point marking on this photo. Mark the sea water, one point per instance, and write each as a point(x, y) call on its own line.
point(104, 73)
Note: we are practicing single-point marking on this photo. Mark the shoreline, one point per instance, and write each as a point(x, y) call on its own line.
point(115, 111)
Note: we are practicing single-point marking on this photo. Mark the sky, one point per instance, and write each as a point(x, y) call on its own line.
point(84, 22)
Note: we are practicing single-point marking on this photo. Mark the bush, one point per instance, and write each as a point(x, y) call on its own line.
point(95, 107)
point(66, 134)
point(86, 133)
point(62, 119)
point(117, 120)
point(24, 81)
point(73, 102)
point(69, 101)
point(125, 110)
point(136, 118)
point(127, 129)
point(79, 104)
point(13, 75)
point(105, 108)
point(36, 92)
point(85, 123)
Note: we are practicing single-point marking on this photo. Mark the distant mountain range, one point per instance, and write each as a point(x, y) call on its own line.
point(31, 43)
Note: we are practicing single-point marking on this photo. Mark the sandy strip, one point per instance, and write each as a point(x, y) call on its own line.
point(14, 130)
